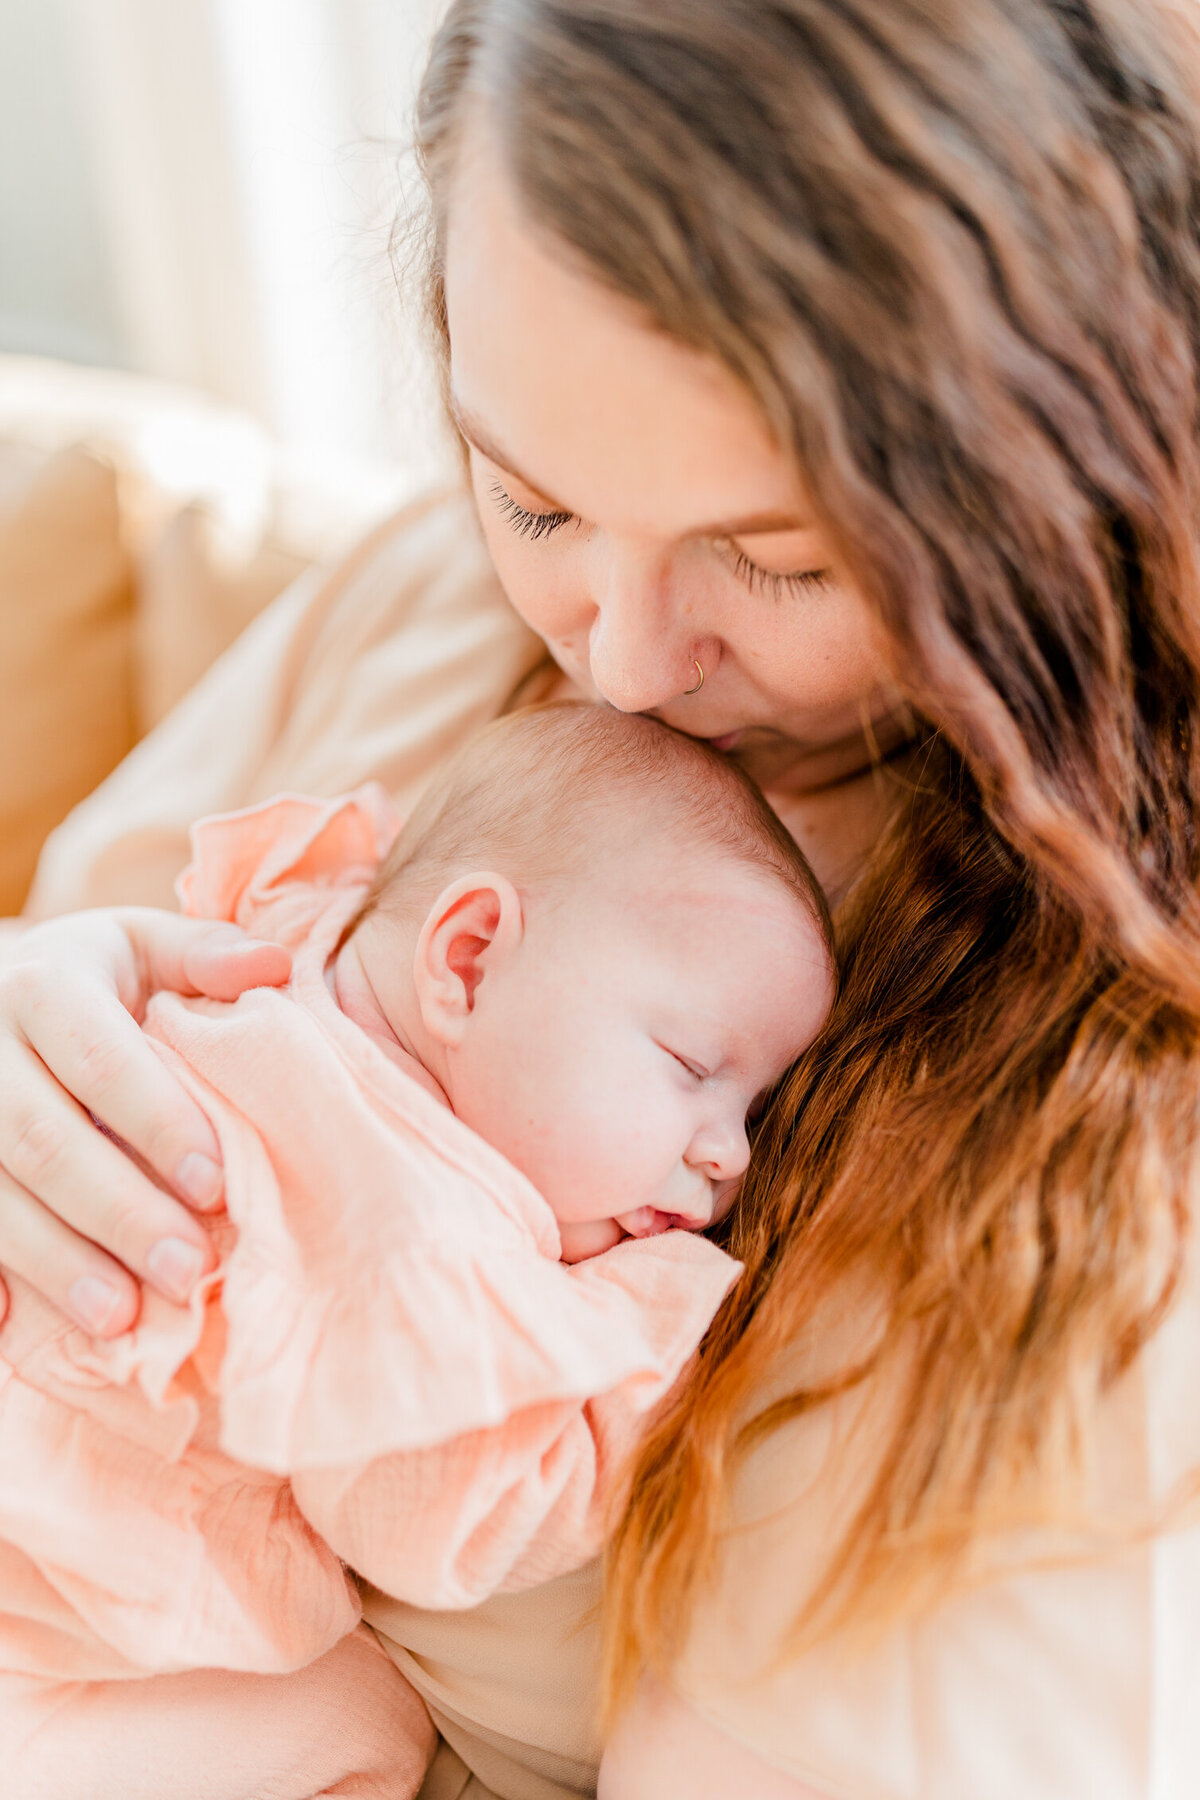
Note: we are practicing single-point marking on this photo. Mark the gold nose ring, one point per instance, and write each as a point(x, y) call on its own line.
point(699, 684)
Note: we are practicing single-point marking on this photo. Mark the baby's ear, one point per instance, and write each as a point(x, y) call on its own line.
point(472, 928)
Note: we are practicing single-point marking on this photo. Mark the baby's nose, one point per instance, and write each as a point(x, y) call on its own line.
point(721, 1151)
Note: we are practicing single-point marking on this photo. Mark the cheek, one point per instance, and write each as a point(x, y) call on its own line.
point(589, 1152)
point(825, 651)
point(548, 1109)
point(586, 1123)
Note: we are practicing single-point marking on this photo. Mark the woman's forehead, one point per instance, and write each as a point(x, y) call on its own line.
point(567, 386)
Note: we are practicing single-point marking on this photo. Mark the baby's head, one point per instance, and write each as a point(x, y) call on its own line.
point(600, 941)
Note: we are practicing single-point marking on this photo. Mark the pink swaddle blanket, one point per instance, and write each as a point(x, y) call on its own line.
point(390, 1368)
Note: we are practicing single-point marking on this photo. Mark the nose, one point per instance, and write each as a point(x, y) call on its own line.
point(720, 1150)
point(644, 637)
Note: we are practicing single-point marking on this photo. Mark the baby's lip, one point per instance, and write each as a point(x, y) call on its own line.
point(647, 1221)
point(728, 740)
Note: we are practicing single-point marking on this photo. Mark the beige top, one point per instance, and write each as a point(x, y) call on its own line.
point(1073, 1673)
point(1050, 1685)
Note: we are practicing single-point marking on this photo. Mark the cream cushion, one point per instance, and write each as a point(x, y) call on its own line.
point(66, 678)
point(195, 596)
point(142, 528)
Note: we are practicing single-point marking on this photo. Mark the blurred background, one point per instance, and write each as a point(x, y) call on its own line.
point(212, 382)
point(202, 191)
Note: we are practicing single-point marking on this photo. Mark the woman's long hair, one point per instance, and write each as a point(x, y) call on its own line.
point(952, 247)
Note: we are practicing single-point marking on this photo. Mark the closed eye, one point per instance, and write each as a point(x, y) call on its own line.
point(528, 524)
point(685, 1062)
point(537, 525)
point(776, 583)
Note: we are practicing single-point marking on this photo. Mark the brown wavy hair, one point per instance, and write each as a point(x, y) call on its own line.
point(951, 247)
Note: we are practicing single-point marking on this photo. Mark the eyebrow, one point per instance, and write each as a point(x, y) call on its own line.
point(477, 434)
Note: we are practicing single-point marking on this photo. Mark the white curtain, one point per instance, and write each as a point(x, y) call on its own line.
point(246, 163)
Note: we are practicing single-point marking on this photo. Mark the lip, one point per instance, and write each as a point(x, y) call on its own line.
point(647, 1221)
point(728, 740)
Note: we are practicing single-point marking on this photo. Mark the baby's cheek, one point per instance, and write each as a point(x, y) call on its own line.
point(565, 1148)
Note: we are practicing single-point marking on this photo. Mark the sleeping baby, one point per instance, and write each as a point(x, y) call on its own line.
point(467, 1154)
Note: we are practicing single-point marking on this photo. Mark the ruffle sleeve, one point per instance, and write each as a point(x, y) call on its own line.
point(433, 1342)
point(271, 868)
point(509, 1505)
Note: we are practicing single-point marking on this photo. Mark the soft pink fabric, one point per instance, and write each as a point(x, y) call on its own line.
point(389, 1327)
point(347, 1725)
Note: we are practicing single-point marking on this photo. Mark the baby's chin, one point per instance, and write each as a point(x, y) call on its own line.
point(588, 1238)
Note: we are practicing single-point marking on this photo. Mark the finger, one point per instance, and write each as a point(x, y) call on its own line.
point(225, 970)
point(92, 1049)
point(198, 956)
point(69, 1271)
point(56, 1156)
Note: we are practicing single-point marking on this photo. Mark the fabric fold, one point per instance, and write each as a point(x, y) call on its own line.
point(129, 1541)
point(245, 864)
point(453, 1345)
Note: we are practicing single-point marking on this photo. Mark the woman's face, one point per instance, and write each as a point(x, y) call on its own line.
point(640, 515)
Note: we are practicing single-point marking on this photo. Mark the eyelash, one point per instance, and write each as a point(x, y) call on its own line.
point(534, 526)
point(770, 581)
point(529, 524)
point(693, 1069)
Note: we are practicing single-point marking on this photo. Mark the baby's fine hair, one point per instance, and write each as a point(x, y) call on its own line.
point(531, 796)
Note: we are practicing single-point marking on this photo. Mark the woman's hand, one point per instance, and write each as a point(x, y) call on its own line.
point(77, 1214)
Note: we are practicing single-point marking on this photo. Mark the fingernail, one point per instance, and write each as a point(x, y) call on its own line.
point(95, 1303)
point(175, 1267)
point(199, 1179)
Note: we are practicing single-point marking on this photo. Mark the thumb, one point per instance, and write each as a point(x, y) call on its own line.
point(222, 962)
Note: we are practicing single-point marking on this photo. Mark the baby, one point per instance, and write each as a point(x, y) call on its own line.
point(507, 1064)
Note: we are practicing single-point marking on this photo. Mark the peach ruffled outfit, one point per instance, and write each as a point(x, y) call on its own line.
point(390, 1369)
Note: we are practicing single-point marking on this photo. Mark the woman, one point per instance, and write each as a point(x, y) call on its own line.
point(828, 373)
